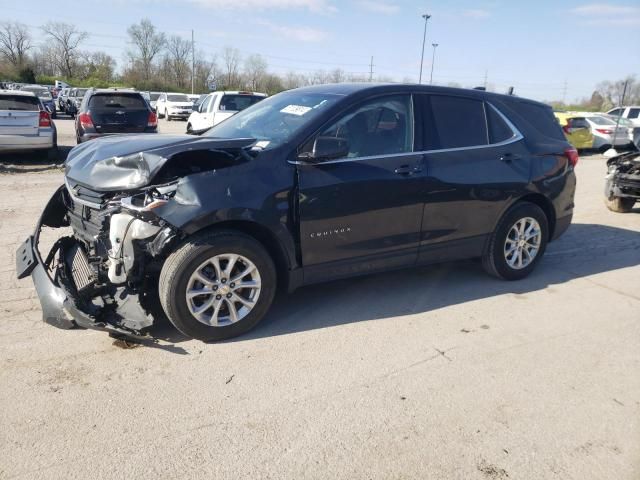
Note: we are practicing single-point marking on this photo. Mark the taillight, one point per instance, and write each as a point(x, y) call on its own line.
point(572, 156)
point(45, 119)
point(153, 120)
point(606, 131)
point(85, 120)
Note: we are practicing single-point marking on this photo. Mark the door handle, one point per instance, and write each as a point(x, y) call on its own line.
point(509, 157)
point(407, 170)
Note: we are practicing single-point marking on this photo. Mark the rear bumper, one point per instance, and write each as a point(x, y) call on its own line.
point(18, 143)
point(562, 224)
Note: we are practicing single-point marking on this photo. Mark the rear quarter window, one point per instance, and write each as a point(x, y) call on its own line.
point(118, 101)
point(457, 122)
point(540, 117)
point(19, 102)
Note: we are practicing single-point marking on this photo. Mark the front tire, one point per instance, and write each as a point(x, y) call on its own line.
point(518, 243)
point(620, 204)
point(217, 285)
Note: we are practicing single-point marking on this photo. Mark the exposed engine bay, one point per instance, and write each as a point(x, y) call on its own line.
point(105, 274)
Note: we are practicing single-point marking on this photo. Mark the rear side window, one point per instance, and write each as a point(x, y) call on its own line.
point(19, 102)
point(540, 117)
point(634, 112)
point(237, 103)
point(457, 122)
point(499, 131)
point(119, 101)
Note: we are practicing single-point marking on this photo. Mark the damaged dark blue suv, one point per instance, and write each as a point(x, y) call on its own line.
point(307, 186)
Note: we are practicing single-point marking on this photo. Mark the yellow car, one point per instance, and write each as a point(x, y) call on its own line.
point(576, 129)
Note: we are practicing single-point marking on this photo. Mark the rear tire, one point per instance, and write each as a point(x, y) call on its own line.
point(188, 262)
point(496, 260)
point(166, 114)
point(620, 204)
point(189, 129)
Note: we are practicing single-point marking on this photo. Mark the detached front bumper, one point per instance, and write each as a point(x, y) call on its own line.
point(53, 278)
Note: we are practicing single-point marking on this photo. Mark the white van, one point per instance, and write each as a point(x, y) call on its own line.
point(218, 106)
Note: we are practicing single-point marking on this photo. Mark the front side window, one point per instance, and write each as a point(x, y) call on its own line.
point(456, 122)
point(206, 103)
point(634, 112)
point(382, 126)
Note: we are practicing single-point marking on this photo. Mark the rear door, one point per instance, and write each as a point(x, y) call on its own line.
point(19, 115)
point(362, 212)
point(476, 162)
point(119, 112)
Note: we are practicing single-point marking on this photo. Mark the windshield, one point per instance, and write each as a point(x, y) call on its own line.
point(601, 121)
point(81, 91)
point(275, 119)
point(178, 98)
point(154, 96)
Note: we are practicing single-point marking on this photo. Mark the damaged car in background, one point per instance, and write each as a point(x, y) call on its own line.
point(622, 185)
point(307, 186)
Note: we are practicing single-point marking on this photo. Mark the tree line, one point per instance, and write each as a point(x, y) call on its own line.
point(161, 62)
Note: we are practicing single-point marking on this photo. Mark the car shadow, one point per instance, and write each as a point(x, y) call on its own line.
point(29, 162)
point(585, 249)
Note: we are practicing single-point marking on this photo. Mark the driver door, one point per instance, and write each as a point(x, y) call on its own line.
point(362, 212)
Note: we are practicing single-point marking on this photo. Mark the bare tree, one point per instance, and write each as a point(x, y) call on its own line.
point(231, 60)
point(66, 40)
point(337, 76)
point(15, 42)
point(99, 65)
point(148, 44)
point(178, 59)
point(255, 69)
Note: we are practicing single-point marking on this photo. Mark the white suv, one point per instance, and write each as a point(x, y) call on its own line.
point(218, 106)
point(631, 113)
point(173, 105)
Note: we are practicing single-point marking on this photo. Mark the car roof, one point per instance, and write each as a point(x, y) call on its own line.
point(24, 93)
point(345, 89)
point(239, 92)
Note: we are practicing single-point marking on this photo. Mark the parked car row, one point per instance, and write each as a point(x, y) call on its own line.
point(619, 127)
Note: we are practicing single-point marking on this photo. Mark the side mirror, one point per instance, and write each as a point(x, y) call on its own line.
point(326, 148)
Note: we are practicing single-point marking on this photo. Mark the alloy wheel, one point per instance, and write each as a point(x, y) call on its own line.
point(223, 290)
point(522, 243)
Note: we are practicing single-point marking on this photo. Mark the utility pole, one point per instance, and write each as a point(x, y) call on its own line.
point(371, 70)
point(193, 62)
point(424, 39)
point(433, 59)
point(486, 73)
point(564, 92)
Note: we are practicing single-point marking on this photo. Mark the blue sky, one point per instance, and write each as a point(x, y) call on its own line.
point(534, 46)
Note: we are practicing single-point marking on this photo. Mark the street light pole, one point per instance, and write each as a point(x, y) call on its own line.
point(424, 38)
point(433, 59)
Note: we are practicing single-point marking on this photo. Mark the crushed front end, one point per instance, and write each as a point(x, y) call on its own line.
point(104, 274)
point(623, 176)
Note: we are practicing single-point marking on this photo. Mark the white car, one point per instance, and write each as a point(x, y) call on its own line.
point(605, 134)
point(173, 105)
point(218, 106)
point(25, 125)
point(153, 99)
point(631, 113)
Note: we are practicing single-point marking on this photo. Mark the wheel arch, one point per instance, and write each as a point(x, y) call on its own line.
point(267, 238)
point(545, 204)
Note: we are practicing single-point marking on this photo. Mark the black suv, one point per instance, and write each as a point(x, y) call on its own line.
point(112, 111)
point(309, 185)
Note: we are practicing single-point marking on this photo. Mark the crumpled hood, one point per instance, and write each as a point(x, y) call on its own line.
point(126, 162)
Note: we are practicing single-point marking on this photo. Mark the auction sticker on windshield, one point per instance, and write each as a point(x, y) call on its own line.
point(296, 109)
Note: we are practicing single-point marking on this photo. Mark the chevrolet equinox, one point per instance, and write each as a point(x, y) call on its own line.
point(309, 185)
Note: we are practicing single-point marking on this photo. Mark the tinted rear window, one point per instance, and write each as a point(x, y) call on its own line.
point(237, 103)
point(19, 102)
point(457, 122)
point(540, 117)
point(119, 101)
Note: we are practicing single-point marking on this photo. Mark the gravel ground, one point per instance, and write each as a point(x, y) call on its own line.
point(437, 372)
